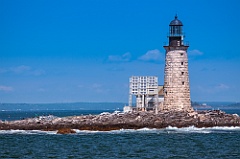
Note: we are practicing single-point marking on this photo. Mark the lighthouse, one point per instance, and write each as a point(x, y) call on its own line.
point(176, 77)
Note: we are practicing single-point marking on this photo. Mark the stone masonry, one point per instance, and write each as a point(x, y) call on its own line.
point(176, 80)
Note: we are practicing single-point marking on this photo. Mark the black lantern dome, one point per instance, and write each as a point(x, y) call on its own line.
point(176, 32)
point(176, 21)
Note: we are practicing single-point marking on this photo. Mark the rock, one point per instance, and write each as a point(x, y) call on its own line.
point(133, 120)
point(235, 115)
point(66, 131)
point(202, 117)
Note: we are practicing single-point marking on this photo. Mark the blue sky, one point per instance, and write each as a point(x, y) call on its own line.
point(85, 51)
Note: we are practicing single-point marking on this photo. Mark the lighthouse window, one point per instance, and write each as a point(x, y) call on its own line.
point(181, 63)
point(182, 73)
point(181, 54)
point(182, 83)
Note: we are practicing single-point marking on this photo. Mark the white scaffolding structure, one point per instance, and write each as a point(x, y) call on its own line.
point(145, 88)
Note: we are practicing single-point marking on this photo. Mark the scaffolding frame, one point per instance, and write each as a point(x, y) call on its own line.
point(145, 88)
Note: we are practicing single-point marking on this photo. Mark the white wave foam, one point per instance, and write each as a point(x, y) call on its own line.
point(225, 128)
point(142, 130)
point(193, 129)
point(26, 132)
point(85, 131)
point(169, 129)
point(190, 129)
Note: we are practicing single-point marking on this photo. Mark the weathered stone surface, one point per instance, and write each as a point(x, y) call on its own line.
point(176, 80)
point(133, 120)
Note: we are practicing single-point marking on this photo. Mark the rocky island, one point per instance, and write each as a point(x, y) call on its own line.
point(131, 120)
point(171, 101)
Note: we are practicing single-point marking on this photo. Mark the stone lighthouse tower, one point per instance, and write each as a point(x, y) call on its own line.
point(176, 80)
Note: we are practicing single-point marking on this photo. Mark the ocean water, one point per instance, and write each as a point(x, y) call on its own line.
point(171, 142)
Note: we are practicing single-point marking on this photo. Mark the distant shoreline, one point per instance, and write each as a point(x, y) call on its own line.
point(101, 106)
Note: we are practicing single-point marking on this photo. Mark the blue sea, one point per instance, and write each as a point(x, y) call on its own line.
point(171, 142)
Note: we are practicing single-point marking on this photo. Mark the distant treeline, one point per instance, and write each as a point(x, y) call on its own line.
point(234, 105)
point(216, 105)
point(195, 104)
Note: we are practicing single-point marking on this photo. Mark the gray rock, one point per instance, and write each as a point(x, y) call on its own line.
point(133, 120)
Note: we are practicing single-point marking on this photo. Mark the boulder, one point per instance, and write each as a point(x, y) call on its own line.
point(66, 131)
